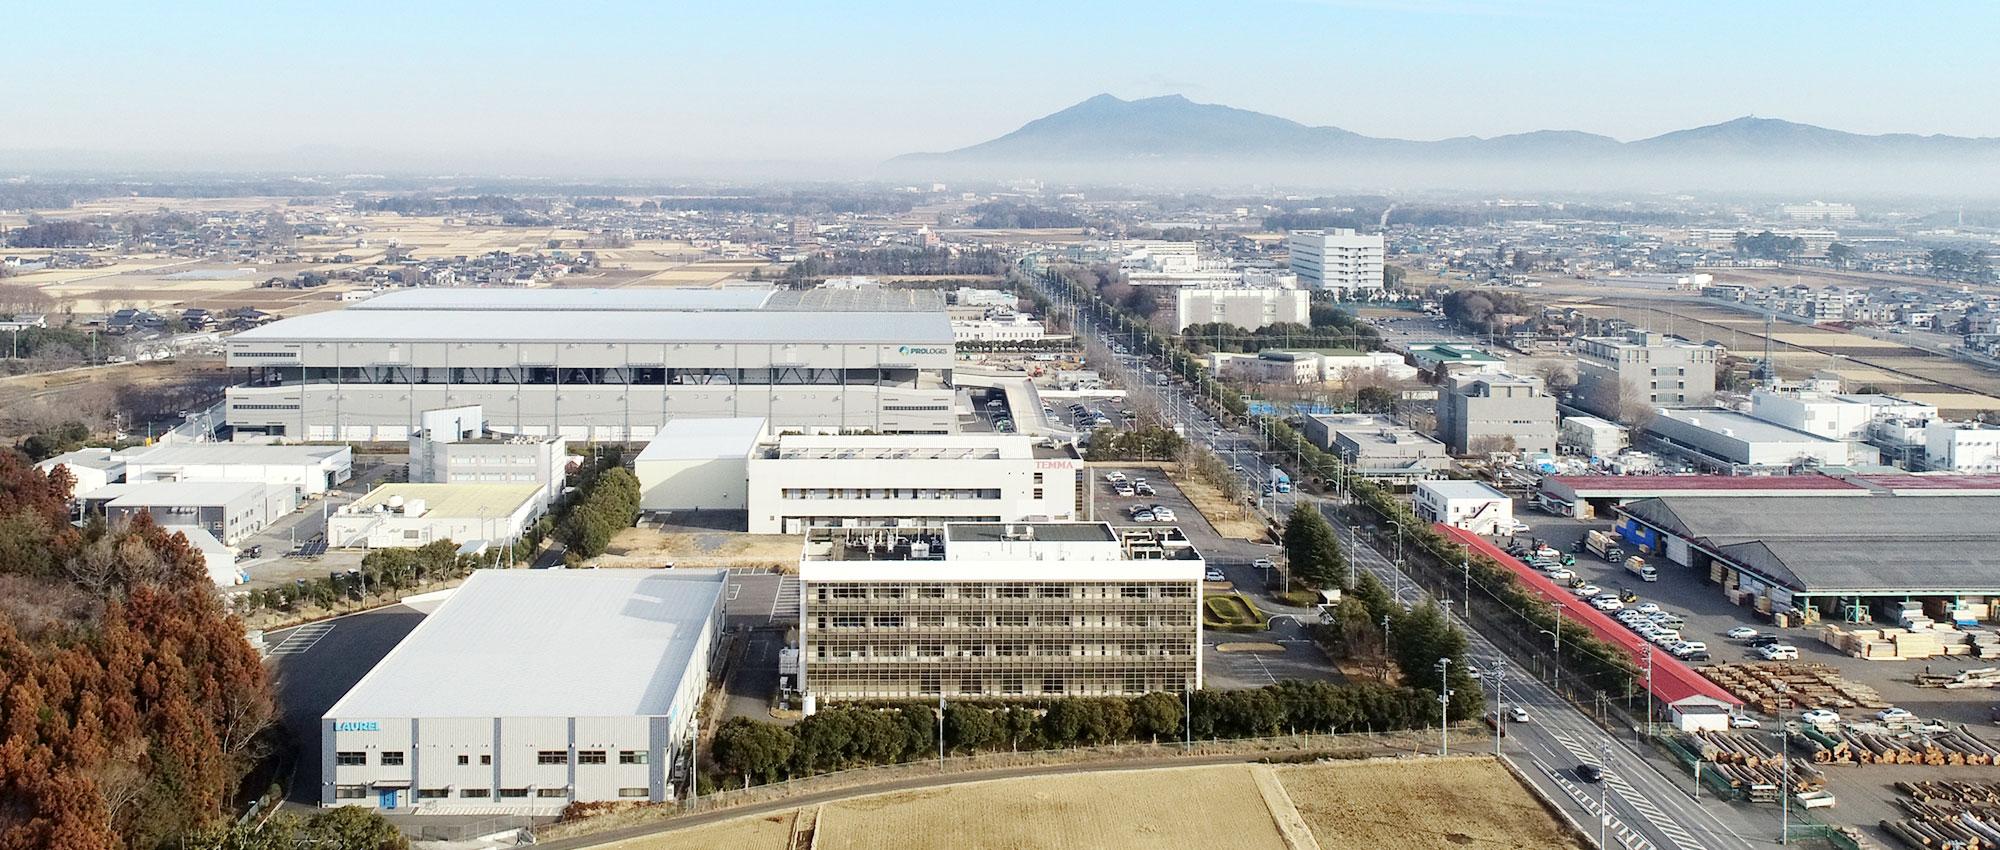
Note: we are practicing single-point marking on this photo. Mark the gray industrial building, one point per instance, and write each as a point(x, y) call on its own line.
point(1715, 439)
point(1483, 412)
point(1376, 447)
point(1617, 375)
point(1838, 555)
point(599, 364)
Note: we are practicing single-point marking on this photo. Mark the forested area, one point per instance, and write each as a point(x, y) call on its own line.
point(1476, 309)
point(1001, 215)
point(130, 704)
point(56, 234)
point(942, 262)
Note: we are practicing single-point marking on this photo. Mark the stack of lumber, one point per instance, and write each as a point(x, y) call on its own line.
point(1964, 832)
point(1948, 813)
point(1921, 640)
point(1984, 677)
point(1775, 688)
point(1746, 760)
point(1855, 745)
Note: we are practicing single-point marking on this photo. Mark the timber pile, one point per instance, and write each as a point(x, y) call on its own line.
point(1900, 644)
point(1856, 745)
point(1984, 677)
point(1747, 760)
point(1948, 814)
point(1775, 688)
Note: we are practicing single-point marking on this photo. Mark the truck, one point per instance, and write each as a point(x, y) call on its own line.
point(1638, 567)
point(1604, 546)
point(1281, 481)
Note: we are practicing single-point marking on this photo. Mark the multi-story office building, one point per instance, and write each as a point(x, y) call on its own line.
point(452, 454)
point(1376, 447)
point(1643, 370)
point(1336, 259)
point(1961, 447)
point(599, 364)
point(530, 689)
point(1249, 309)
point(1482, 413)
point(999, 610)
point(913, 483)
point(1817, 211)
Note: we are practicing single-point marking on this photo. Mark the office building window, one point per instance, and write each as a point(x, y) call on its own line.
point(1038, 478)
point(464, 759)
point(1038, 492)
point(557, 793)
point(511, 793)
point(350, 759)
point(632, 756)
point(589, 756)
point(485, 759)
point(632, 792)
point(349, 792)
point(552, 757)
point(433, 793)
point(475, 793)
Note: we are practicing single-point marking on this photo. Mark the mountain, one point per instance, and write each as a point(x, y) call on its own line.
point(1154, 135)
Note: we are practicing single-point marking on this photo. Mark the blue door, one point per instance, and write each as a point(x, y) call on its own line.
point(388, 798)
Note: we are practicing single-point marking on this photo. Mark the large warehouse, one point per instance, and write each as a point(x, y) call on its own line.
point(1836, 554)
point(599, 364)
point(529, 689)
point(999, 610)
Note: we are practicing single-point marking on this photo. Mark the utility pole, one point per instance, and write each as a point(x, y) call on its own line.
point(1499, 673)
point(1187, 720)
point(1444, 706)
point(1649, 689)
point(1784, 791)
point(1604, 793)
point(1466, 565)
point(940, 732)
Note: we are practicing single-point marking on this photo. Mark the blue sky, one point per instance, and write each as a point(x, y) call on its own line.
point(861, 81)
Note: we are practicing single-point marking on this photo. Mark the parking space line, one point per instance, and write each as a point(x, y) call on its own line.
point(302, 639)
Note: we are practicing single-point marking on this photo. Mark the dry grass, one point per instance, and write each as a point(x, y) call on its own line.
point(759, 832)
point(1168, 809)
point(1228, 518)
point(1248, 646)
point(1421, 804)
point(641, 547)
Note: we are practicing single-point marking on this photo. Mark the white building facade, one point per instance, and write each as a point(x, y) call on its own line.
point(1249, 309)
point(1338, 259)
point(528, 690)
point(308, 470)
point(803, 482)
point(411, 515)
point(1470, 505)
point(1961, 447)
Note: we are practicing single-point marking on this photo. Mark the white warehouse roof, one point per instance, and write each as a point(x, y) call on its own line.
point(608, 326)
point(545, 643)
point(567, 299)
point(703, 439)
point(234, 453)
point(1455, 489)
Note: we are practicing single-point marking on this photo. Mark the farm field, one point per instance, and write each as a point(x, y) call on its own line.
point(1369, 805)
point(759, 832)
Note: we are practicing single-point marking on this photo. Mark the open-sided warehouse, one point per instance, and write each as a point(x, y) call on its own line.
point(1831, 557)
point(527, 690)
point(1585, 496)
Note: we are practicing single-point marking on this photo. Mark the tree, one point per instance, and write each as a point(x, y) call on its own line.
point(1374, 399)
point(352, 828)
point(1311, 547)
point(1839, 255)
point(969, 728)
point(1156, 714)
point(753, 749)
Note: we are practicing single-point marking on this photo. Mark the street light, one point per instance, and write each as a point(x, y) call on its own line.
point(1499, 672)
point(1466, 565)
point(1784, 791)
point(1444, 706)
point(1604, 793)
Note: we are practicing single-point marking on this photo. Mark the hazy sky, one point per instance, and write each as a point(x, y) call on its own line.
point(632, 87)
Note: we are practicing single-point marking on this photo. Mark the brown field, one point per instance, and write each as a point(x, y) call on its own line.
point(1421, 804)
point(1228, 518)
point(1170, 809)
point(1374, 804)
point(644, 548)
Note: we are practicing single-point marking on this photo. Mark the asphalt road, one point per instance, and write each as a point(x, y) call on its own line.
point(314, 665)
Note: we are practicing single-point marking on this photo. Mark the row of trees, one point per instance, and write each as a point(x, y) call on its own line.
point(382, 570)
point(607, 500)
point(1148, 443)
point(343, 828)
point(1481, 309)
point(749, 751)
point(1768, 246)
point(1003, 215)
point(1205, 337)
point(56, 234)
point(1966, 266)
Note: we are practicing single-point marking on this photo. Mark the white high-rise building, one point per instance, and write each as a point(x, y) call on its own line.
point(1337, 259)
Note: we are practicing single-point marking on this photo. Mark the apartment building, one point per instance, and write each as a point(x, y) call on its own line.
point(1336, 259)
point(999, 610)
point(802, 481)
point(1249, 309)
point(1642, 369)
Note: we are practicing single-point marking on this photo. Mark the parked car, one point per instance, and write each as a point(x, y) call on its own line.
point(1894, 714)
point(1144, 489)
point(1778, 652)
point(1648, 608)
point(1165, 515)
point(1761, 641)
point(1820, 717)
point(1263, 563)
point(1587, 591)
point(1561, 575)
point(1740, 633)
point(1143, 516)
point(1214, 574)
point(1744, 721)
point(1606, 603)
point(1516, 527)
point(1114, 475)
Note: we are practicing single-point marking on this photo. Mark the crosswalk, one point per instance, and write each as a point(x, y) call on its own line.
point(1659, 819)
point(785, 605)
point(302, 639)
point(1613, 827)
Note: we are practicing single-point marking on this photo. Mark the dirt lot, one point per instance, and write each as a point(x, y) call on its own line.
point(1168, 809)
point(1230, 519)
point(642, 547)
point(1418, 804)
point(762, 832)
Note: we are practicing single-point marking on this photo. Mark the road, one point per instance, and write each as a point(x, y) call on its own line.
point(1646, 809)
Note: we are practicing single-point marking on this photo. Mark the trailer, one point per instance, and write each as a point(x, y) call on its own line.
point(1604, 546)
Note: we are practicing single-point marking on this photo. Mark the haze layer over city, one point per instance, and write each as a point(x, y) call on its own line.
point(1286, 425)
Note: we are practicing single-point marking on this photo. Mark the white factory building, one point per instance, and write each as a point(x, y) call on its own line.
point(452, 446)
point(1245, 308)
point(89, 469)
point(1720, 440)
point(527, 690)
point(230, 510)
point(407, 516)
point(915, 482)
point(1338, 259)
point(694, 464)
point(599, 364)
point(1471, 505)
point(308, 470)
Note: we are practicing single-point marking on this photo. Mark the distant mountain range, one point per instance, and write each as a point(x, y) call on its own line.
point(1106, 131)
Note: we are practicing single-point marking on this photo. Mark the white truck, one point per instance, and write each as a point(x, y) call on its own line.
point(1638, 567)
point(1604, 546)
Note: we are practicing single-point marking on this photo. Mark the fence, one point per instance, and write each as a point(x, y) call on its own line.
point(1348, 745)
point(467, 831)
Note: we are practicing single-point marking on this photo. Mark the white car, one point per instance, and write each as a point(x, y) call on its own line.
point(1820, 717)
point(1744, 721)
point(1518, 715)
point(1143, 516)
point(1518, 527)
point(1606, 602)
point(1587, 591)
point(1214, 574)
point(1164, 514)
point(1648, 608)
point(1893, 713)
point(1114, 475)
point(1561, 575)
point(1687, 647)
point(1263, 564)
point(1778, 652)
point(1740, 633)
point(1666, 638)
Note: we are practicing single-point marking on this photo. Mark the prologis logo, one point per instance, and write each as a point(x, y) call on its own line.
point(922, 349)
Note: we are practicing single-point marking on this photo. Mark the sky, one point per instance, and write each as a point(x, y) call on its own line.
point(654, 87)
